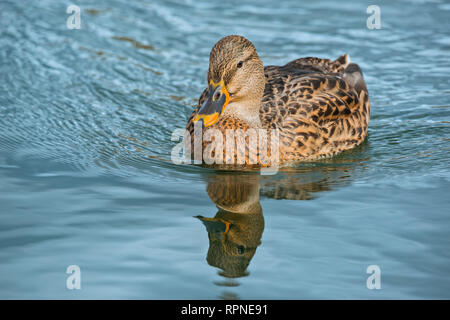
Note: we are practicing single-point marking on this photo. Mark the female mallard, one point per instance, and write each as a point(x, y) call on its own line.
point(319, 107)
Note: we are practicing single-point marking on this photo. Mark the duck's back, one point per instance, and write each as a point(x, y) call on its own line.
point(321, 107)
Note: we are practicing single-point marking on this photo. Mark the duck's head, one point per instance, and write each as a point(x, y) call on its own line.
point(235, 81)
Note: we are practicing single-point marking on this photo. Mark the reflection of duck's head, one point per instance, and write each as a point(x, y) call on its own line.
point(235, 232)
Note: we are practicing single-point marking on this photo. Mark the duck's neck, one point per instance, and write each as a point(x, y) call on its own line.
point(246, 111)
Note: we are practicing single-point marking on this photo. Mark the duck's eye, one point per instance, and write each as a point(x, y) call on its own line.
point(240, 63)
point(241, 249)
point(217, 96)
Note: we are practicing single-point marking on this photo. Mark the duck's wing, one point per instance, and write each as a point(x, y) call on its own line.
point(320, 106)
point(320, 65)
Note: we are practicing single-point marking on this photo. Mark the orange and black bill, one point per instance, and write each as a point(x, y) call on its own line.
point(217, 228)
point(216, 100)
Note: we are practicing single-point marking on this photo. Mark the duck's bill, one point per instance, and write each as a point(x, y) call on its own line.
point(215, 227)
point(216, 100)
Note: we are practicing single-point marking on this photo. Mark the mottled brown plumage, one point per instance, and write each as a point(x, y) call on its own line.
point(320, 107)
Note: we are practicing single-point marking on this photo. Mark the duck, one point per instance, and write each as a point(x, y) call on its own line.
point(318, 107)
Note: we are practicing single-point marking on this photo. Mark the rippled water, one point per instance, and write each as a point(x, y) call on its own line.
point(85, 141)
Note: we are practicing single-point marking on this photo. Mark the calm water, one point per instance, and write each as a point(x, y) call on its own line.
point(86, 118)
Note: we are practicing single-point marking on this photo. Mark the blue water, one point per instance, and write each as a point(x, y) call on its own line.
point(86, 118)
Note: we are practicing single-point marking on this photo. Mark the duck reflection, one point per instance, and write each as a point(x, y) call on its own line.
point(236, 230)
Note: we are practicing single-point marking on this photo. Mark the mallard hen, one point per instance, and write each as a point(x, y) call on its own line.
point(320, 107)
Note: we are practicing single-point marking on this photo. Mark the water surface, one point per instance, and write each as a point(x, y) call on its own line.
point(86, 118)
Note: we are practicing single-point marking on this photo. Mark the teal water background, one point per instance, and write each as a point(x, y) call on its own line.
point(86, 118)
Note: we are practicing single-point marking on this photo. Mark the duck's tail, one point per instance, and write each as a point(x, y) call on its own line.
point(352, 73)
point(343, 60)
